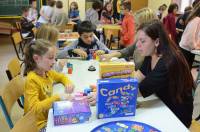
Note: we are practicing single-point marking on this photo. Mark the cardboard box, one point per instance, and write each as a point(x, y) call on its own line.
point(116, 97)
point(116, 69)
point(70, 112)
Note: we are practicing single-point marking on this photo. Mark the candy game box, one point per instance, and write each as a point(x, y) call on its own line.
point(70, 112)
point(116, 69)
point(116, 97)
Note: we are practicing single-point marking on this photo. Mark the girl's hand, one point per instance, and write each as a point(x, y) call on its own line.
point(61, 63)
point(69, 88)
point(92, 98)
point(66, 97)
point(100, 52)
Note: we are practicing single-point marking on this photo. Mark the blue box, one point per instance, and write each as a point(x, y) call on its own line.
point(70, 112)
point(116, 97)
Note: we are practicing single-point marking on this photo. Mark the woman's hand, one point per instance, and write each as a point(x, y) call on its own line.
point(69, 88)
point(92, 98)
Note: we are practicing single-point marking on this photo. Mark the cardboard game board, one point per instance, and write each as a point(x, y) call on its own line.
point(125, 126)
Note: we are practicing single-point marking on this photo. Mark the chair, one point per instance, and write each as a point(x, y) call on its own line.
point(111, 38)
point(26, 124)
point(195, 126)
point(17, 41)
point(13, 70)
point(9, 95)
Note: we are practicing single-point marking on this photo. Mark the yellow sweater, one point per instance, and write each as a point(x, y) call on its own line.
point(38, 94)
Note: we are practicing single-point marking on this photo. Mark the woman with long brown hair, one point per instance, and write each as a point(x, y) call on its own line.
point(164, 71)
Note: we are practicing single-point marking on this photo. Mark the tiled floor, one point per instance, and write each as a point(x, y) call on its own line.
point(6, 53)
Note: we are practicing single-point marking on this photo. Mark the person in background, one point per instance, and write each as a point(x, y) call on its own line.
point(128, 26)
point(169, 21)
point(74, 13)
point(26, 25)
point(59, 17)
point(141, 16)
point(190, 39)
point(33, 13)
point(46, 13)
point(92, 13)
point(106, 14)
point(39, 60)
point(181, 22)
point(85, 44)
point(161, 10)
point(50, 32)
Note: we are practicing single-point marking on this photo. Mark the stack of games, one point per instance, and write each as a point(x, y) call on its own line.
point(116, 69)
point(116, 97)
point(70, 112)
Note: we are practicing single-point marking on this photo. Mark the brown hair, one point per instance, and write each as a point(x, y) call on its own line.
point(75, 4)
point(179, 75)
point(51, 2)
point(48, 32)
point(105, 8)
point(59, 4)
point(38, 47)
point(195, 13)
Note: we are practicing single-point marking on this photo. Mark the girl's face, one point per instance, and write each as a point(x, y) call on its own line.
point(46, 61)
point(109, 7)
point(175, 10)
point(145, 45)
point(72, 6)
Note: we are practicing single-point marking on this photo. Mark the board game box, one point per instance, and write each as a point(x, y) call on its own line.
point(70, 112)
point(116, 69)
point(116, 97)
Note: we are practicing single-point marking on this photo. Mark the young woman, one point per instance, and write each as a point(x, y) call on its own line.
point(164, 71)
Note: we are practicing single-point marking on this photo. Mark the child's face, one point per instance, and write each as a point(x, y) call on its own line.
point(72, 6)
point(25, 13)
point(46, 61)
point(145, 45)
point(109, 7)
point(87, 37)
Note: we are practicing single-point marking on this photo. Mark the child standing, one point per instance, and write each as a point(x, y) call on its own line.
point(85, 44)
point(46, 13)
point(59, 17)
point(74, 13)
point(106, 14)
point(128, 26)
point(39, 60)
point(92, 13)
point(25, 23)
point(33, 13)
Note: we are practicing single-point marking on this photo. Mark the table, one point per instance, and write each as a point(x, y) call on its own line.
point(68, 36)
point(152, 111)
point(108, 26)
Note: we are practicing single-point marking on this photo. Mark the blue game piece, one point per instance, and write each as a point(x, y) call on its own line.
point(87, 90)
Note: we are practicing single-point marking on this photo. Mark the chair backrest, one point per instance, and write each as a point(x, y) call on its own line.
point(195, 126)
point(26, 124)
point(109, 34)
point(13, 68)
point(17, 41)
point(9, 95)
point(18, 26)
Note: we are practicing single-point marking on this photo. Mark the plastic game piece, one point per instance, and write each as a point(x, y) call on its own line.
point(91, 68)
point(125, 126)
point(70, 70)
point(93, 87)
point(87, 91)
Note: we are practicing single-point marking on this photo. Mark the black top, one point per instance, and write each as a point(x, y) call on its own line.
point(157, 81)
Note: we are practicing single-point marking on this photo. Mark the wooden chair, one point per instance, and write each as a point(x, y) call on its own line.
point(13, 70)
point(111, 38)
point(195, 126)
point(26, 124)
point(9, 95)
point(17, 41)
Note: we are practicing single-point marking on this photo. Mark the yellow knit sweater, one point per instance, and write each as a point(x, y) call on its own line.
point(38, 94)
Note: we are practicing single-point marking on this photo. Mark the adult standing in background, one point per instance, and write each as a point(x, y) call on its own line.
point(161, 10)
